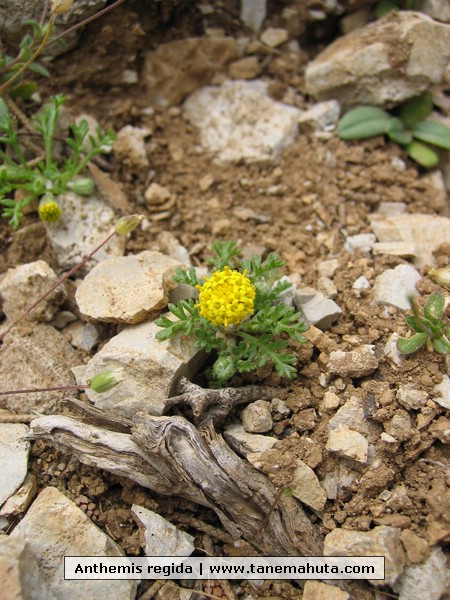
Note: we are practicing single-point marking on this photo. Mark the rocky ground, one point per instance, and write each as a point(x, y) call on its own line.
point(361, 437)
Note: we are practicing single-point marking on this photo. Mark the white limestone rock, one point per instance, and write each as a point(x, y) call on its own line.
point(49, 358)
point(55, 527)
point(441, 392)
point(306, 487)
point(129, 146)
point(84, 224)
point(238, 121)
point(127, 289)
point(316, 308)
point(349, 444)
point(21, 286)
point(394, 286)
point(21, 499)
point(253, 13)
point(381, 541)
point(149, 369)
point(411, 398)
point(383, 63)
point(418, 234)
point(246, 443)
point(19, 572)
point(256, 417)
point(356, 363)
point(14, 452)
point(161, 537)
point(427, 580)
point(322, 117)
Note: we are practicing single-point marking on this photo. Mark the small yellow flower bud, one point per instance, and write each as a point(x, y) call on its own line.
point(441, 276)
point(60, 7)
point(128, 223)
point(104, 381)
point(49, 209)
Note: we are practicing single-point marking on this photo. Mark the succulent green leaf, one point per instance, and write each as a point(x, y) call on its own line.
point(442, 344)
point(433, 133)
point(434, 308)
point(416, 110)
point(398, 133)
point(24, 90)
point(363, 122)
point(410, 345)
point(422, 154)
point(415, 323)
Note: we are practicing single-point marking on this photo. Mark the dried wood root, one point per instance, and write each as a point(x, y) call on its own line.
point(213, 406)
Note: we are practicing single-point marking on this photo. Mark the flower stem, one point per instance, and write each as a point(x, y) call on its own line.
point(58, 388)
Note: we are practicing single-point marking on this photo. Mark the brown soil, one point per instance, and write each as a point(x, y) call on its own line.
point(303, 208)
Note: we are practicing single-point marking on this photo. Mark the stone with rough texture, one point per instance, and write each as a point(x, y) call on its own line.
point(392, 352)
point(127, 289)
point(49, 357)
point(149, 369)
point(306, 487)
point(416, 548)
point(161, 537)
point(253, 13)
point(347, 443)
point(129, 146)
point(246, 443)
point(421, 233)
point(411, 398)
point(55, 527)
point(21, 499)
point(14, 452)
point(323, 116)
point(337, 481)
point(84, 224)
point(274, 36)
point(316, 590)
point(394, 286)
point(176, 69)
point(442, 392)
point(399, 426)
point(384, 63)
point(356, 363)
point(352, 415)
point(316, 308)
point(381, 541)
point(238, 121)
point(428, 580)
point(19, 572)
point(22, 286)
point(256, 417)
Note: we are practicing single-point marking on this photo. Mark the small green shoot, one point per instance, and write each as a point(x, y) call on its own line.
point(239, 315)
point(22, 181)
point(410, 128)
point(431, 329)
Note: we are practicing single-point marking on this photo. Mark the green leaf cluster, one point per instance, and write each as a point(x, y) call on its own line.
point(431, 329)
point(9, 65)
point(261, 338)
point(410, 128)
point(21, 183)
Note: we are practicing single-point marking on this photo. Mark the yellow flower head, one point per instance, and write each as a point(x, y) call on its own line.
point(226, 297)
point(49, 211)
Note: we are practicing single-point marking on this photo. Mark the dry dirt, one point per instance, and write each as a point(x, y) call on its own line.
point(303, 208)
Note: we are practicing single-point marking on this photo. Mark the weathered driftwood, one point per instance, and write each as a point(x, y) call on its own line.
point(171, 456)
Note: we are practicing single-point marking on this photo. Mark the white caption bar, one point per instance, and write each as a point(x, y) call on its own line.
point(242, 567)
